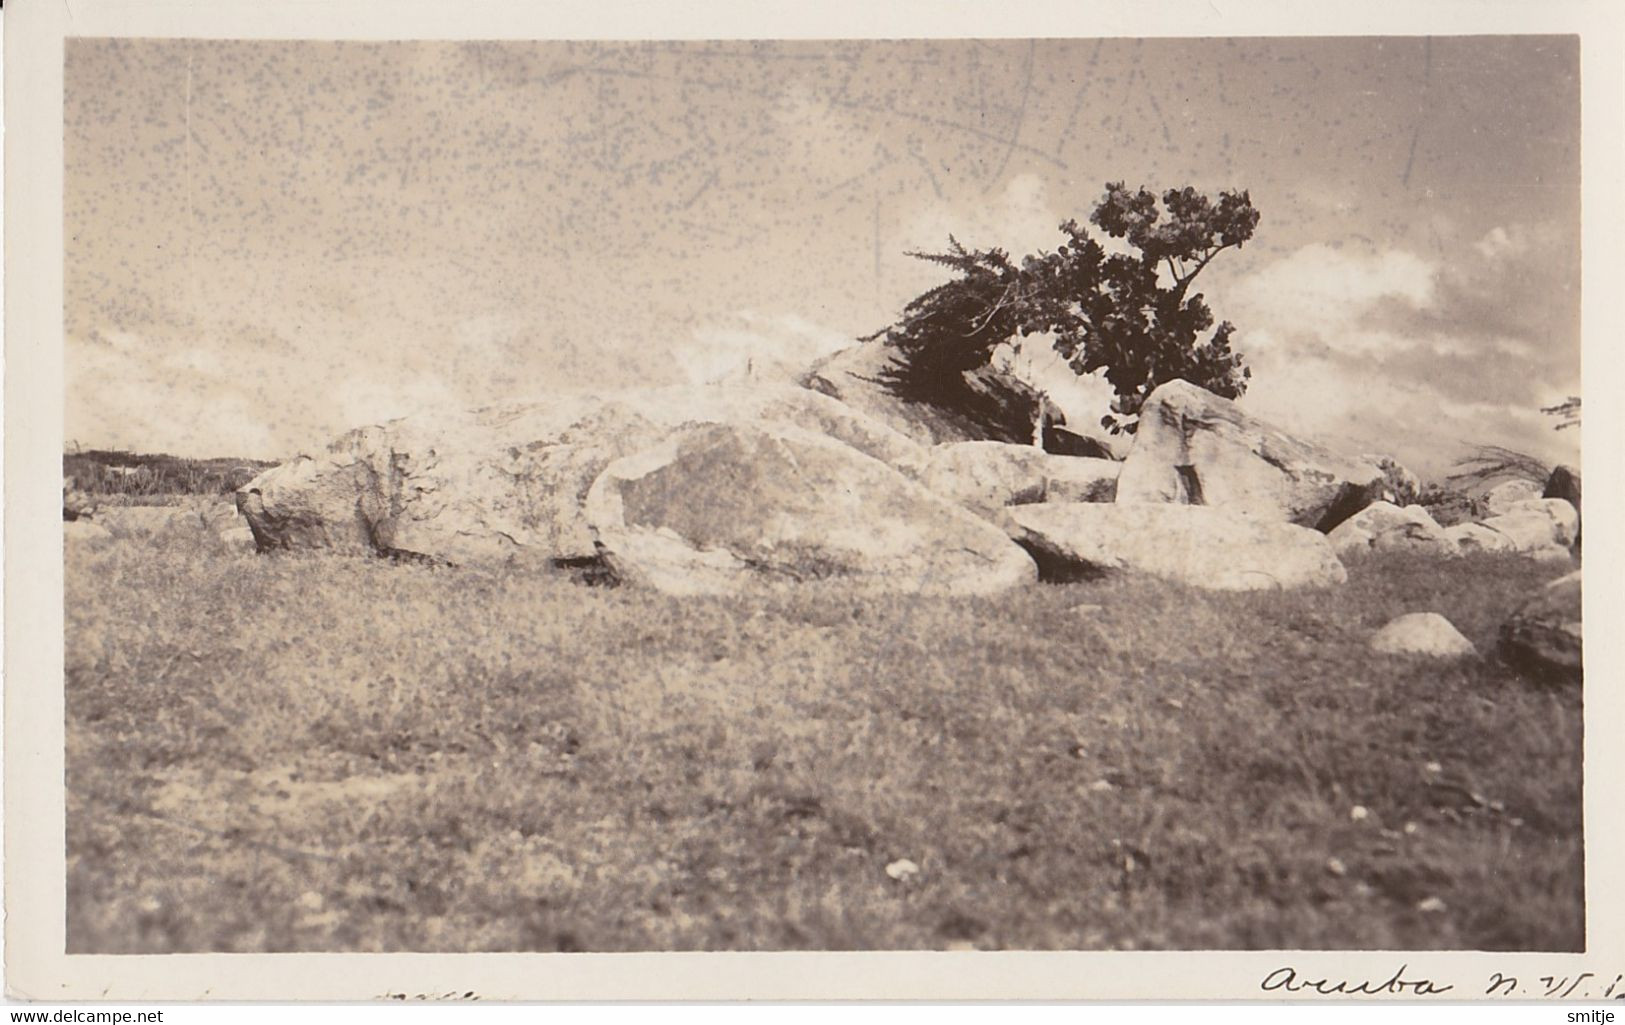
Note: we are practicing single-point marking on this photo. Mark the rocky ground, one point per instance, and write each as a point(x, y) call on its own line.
point(321, 751)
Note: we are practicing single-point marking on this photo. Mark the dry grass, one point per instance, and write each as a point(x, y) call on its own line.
point(303, 753)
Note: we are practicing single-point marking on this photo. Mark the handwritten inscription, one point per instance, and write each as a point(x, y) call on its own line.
point(1288, 980)
point(1577, 986)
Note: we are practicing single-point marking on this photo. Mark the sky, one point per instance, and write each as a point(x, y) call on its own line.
point(271, 242)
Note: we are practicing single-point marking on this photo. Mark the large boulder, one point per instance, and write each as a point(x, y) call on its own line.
point(985, 476)
point(1193, 447)
point(1424, 634)
point(1475, 537)
point(1537, 524)
point(508, 482)
point(715, 508)
point(1383, 526)
point(1563, 483)
point(1543, 637)
point(1207, 548)
point(988, 405)
point(1501, 498)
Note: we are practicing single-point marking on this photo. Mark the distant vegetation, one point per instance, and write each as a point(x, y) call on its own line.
point(137, 475)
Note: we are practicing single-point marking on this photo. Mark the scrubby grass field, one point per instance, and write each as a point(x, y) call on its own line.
point(306, 753)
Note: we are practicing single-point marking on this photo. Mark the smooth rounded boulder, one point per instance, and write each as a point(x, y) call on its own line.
point(1501, 498)
point(508, 482)
point(1564, 483)
point(1422, 634)
point(1383, 526)
point(1475, 537)
point(985, 476)
point(1536, 525)
point(1193, 447)
point(717, 508)
point(1543, 638)
point(1201, 547)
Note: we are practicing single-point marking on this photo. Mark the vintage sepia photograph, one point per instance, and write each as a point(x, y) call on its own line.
point(1080, 494)
point(1086, 493)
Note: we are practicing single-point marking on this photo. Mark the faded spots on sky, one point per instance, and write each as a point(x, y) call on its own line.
point(270, 242)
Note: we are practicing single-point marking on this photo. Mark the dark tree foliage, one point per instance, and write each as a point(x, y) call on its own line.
point(1567, 412)
point(1106, 312)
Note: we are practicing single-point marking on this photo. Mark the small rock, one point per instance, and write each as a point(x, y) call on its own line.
point(1101, 786)
point(1359, 813)
point(1427, 634)
point(1336, 867)
point(1430, 905)
point(902, 870)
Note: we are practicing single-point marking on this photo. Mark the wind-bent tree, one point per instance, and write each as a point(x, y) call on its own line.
point(1567, 412)
point(1130, 316)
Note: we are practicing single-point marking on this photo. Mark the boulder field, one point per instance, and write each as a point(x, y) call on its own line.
point(709, 489)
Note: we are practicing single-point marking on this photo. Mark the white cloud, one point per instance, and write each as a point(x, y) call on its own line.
point(750, 345)
point(1320, 287)
point(1332, 362)
point(125, 394)
point(1497, 243)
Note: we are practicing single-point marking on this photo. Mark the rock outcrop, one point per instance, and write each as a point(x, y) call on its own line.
point(508, 482)
point(996, 407)
point(1501, 498)
point(716, 508)
point(1423, 634)
point(1543, 638)
point(1564, 483)
point(1383, 526)
point(1537, 525)
point(1195, 448)
point(1203, 547)
point(985, 476)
